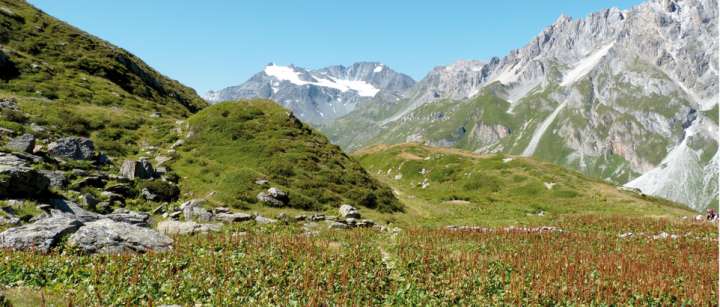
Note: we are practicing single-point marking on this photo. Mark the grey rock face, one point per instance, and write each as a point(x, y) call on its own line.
point(171, 227)
point(62, 207)
point(348, 211)
point(21, 181)
point(141, 169)
point(627, 94)
point(321, 95)
point(23, 143)
point(193, 211)
point(264, 220)
point(73, 148)
point(141, 219)
point(274, 197)
point(40, 236)
point(109, 236)
point(57, 178)
point(232, 217)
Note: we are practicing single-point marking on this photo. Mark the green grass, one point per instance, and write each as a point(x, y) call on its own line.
point(57, 61)
point(466, 188)
point(233, 144)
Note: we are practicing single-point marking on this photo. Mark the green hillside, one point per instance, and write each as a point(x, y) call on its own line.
point(72, 83)
point(232, 145)
point(441, 186)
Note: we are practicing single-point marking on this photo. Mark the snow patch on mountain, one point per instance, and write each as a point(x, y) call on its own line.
point(286, 73)
point(584, 66)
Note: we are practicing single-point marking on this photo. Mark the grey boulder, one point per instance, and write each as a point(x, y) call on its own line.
point(73, 148)
point(274, 197)
point(141, 169)
point(109, 236)
point(23, 143)
point(62, 207)
point(348, 211)
point(21, 181)
point(171, 227)
point(40, 236)
point(131, 217)
point(57, 178)
point(232, 217)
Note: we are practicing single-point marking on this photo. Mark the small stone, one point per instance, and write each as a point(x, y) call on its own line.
point(232, 217)
point(274, 197)
point(88, 201)
point(348, 211)
point(264, 220)
point(184, 228)
point(338, 225)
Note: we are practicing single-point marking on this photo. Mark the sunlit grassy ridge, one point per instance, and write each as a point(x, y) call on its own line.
point(448, 186)
point(232, 145)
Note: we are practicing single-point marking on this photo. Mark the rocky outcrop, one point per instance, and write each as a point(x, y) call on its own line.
point(23, 143)
point(347, 211)
point(141, 219)
point(171, 227)
point(233, 217)
point(72, 148)
point(274, 197)
point(141, 169)
point(40, 236)
point(109, 236)
point(17, 179)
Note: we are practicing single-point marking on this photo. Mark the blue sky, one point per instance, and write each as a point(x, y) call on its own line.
point(211, 44)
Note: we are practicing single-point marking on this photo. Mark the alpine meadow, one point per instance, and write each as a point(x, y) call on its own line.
point(578, 169)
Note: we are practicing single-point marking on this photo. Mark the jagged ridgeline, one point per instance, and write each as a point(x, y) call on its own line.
point(233, 145)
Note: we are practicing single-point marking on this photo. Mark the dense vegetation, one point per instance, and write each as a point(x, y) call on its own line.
point(444, 186)
point(586, 264)
point(232, 145)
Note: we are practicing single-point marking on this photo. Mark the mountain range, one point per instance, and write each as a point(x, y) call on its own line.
point(321, 95)
point(628, 96)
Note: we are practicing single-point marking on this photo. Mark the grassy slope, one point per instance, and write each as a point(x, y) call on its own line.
point(76, 84)
point(233, 144)
point(466, 188)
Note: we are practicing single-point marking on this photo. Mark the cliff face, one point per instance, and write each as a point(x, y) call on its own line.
point(628, 96)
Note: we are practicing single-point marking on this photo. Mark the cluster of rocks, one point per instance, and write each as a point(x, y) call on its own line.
point(119, 232)
point(513, 229)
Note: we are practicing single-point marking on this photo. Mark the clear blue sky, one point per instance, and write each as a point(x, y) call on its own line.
point(211, 44)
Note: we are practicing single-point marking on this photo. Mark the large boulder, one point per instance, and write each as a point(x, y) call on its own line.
point(62, 207)
point(141, 219)
point(73, 148)
point(109, 236)
point(21, 181)
point(274, 197)
point(141, 169)
point(40, 236)
point(23, 143)
point(348, 211)
point(171, 227)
